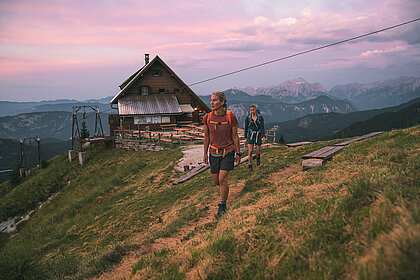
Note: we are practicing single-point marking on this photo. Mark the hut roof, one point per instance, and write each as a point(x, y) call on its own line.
point(139, 73)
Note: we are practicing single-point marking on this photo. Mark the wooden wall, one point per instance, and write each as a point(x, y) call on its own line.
point(164, 81)
point(128, 122)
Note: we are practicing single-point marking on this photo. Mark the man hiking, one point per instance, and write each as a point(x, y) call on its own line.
point(254, 134)
point(221, 140)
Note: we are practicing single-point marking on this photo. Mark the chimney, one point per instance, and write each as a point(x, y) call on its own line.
point(146, 58)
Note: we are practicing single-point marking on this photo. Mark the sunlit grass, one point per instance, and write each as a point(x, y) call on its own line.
point(355, 217)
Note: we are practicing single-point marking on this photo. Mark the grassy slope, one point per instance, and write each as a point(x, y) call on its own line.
point(356, 217)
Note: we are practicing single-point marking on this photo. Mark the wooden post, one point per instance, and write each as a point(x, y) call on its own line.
point(150, 136)
point(172, 139)
point(159, 137)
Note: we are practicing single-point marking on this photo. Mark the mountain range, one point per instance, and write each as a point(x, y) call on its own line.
point(363, 96)
point(328, 126)
point(280, 111)
point(375, 95)
point(380, 94)
point(8, 108)
point(294, 91)
point(56, 125)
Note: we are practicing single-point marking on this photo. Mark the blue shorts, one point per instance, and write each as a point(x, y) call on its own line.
point(254, 141)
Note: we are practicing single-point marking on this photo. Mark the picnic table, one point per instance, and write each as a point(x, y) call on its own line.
point(193, 132)
point(168, 126)
point(181, 129)
point(197, 127)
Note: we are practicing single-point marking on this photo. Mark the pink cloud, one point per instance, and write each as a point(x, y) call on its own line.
point(234, 44)
point(10, 66)
point(199, 38)
point(310, 28)
point(126, 23)
point(389, 50)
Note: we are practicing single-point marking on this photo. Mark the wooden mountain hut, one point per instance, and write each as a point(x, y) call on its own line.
point(155, 97)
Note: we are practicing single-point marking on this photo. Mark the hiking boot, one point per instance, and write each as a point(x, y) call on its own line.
point(222, 209)
point(258, 161)
point(250, 168)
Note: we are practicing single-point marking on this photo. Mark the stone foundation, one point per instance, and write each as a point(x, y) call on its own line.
point(82, 158)
point(72, 155)
point(136, 145)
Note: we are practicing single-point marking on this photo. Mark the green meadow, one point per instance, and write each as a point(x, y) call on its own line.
point(356, 217)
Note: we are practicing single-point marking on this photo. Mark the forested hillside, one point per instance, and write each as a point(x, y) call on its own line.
point(403, 118)
point(325, 126)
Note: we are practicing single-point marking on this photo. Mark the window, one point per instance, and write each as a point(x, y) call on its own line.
point(144, 90)
point(156, 119)
point(140, 120)
point(177, 90)
point(166, 119)
point(162, 90)
point(156, 73)
point(152, 119)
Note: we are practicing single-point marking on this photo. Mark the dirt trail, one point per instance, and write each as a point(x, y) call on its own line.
point(193, 156)
point(123, 269)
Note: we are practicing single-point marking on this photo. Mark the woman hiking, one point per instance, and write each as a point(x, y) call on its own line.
point(254, 134)
point(221, 140)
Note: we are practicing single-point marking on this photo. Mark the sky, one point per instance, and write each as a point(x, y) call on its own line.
point(59, 49)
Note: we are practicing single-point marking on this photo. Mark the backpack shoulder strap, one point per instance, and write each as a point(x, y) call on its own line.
point(208, 117)
point(229, 117)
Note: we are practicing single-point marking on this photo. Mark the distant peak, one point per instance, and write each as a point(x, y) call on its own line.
point(300, 81)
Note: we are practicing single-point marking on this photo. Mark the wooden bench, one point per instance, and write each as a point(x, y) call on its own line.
point(189, 125)
point(195, 133)
point(201, 168)
point(167, 126)
point(323, 153)
point(197, 127)
point(181, 129)
point(319, 157)
point(345, 143)
point(298, 144)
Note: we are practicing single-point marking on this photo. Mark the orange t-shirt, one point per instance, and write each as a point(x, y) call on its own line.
point(220, 133)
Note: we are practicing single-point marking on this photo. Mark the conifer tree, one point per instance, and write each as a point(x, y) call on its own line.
point(84, 132)
point(15, 176)
point(281, 140)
